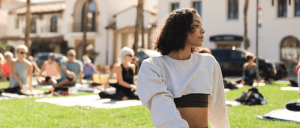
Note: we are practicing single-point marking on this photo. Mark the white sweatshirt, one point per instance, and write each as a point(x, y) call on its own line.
point(161, 79)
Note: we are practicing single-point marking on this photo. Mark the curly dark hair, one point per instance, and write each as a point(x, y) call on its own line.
point(174, 31)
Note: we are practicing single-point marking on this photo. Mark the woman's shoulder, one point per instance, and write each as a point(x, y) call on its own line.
point(205, 58)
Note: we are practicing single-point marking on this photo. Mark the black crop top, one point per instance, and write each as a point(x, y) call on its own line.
point(192, 100)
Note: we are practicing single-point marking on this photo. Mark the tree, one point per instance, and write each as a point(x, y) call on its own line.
point(84, 41)
point(0, 3)
point(28, 27)
point(246, 41)
point(142, 22)
point(137, 26)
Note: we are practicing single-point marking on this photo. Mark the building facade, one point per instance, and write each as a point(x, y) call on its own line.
point(278, 35)
point(58, 26)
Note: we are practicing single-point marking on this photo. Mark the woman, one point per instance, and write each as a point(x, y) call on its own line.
point(2, 74)
point(50, 70)
point(21, 73)
point(125, 77)
point(298, 73)
point(180, 88)
point(249, 70)
point(88, 69)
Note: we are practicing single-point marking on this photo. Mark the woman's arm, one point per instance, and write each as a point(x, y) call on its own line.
point(217, 113)
point(43, 69)
point(58, 68)
point(29, 69)
point(120, 78)
point(154, 94)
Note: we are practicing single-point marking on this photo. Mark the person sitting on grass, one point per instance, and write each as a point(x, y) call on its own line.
point(125, 77)
point(50, 70)
point(2, 74)
point(88, 69)
point(36, 68)
point(71, 71)
point(6, 67)
point(249, 70)
point(21, 70)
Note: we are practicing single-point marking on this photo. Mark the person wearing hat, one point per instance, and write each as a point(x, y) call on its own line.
point(89, 69)
point(50, 70)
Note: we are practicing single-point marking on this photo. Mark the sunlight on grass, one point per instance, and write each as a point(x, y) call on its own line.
point(28, 113)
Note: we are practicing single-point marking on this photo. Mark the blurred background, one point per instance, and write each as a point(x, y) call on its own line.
point(60, 25)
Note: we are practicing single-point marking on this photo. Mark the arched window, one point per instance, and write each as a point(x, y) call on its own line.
point(33, 25)
point(53, 26)
point(290, 52)
point(90, 16)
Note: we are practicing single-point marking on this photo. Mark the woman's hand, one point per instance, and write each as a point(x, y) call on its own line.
point(133, 87)
point(299, 92)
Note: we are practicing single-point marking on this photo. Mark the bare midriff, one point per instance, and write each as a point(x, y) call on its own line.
point(195, 116)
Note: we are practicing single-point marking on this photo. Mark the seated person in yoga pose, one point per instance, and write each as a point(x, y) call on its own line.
point(50, 70)
point(71, 71)
point(21, 71)
point(249, 70)
point(180, 88)
point(6, 67)
point(125, 77)
point(89, 69)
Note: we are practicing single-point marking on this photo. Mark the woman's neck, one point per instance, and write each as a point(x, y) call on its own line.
point(181, 54)
point(20, 60)
point(126, 64)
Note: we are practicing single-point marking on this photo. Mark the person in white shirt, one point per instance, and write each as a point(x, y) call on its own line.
point(180, 88)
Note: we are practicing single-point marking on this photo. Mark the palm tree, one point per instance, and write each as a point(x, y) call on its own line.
point(0, 3)
point(142, 23)
point(137, 26)
point(246, 41)
point(86, 9)
point(28, 27)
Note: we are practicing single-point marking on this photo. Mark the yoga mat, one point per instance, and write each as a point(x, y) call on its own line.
point(226, 90)
point(36, 93)
point(232, 103)
point(91, 101)
point(290, 88)
point(282, 115)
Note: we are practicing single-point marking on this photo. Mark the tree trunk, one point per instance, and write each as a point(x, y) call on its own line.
point(84, 41)
point(0, 3)
point(137, 28)
point(142, 22)
point(246, 41)
point(28, 27)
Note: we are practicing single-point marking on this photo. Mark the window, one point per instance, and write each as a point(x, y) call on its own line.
point(53, 26)
point(282, 8)
point(175, 6)
point(233, 9)
point(90, 16)
point(33, 25)
point(297, 7)
point(198, 7)
point(290, 53)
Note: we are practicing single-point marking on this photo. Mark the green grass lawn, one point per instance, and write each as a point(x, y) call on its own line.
point(28, 113)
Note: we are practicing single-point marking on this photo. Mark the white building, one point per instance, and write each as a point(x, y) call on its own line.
point(223, 21)
point(110, 25)
point(57, 26)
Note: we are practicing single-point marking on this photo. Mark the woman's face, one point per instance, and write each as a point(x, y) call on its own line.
point(251, 61)
point(22, 53)
point(196, 37)
point(128, 58)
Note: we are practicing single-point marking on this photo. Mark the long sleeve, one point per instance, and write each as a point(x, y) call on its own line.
point(154, 94)
point(217, 113)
